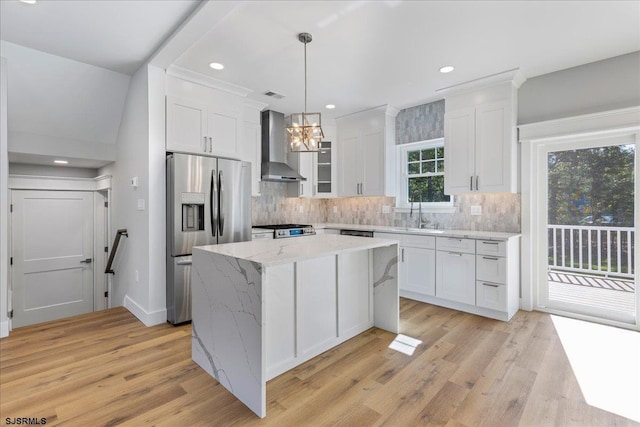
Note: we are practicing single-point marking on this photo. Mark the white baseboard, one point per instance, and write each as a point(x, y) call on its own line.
point(4, 329)
point(149, 319)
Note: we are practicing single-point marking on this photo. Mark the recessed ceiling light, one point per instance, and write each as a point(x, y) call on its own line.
point(28, 1)
point(61, 162)
point(216, 66)
point(446, 69)
point(329, 106)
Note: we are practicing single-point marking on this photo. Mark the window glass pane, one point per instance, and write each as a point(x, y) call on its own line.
point(440, 167)
point(440, 153)
point(428, 166)
point(414, 168)
point(428, 154)
point(427, 189)
point(413, 156)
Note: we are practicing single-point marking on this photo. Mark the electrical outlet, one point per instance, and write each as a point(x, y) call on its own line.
point(476, 210)
point(301, 209)
point(134, 182)
point(335, 209)
point(386, 209)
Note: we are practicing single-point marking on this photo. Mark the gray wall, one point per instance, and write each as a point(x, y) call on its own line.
point(590, 88)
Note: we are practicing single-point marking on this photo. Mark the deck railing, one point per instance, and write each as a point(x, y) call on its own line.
point(608, 251)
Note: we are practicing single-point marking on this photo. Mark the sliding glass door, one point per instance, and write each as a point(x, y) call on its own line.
point(587, 197)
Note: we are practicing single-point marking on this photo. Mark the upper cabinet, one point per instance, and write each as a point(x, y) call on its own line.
point(199, 128)
point(367, 159)
point(480, 135)
point(213, 118)
point(319, 168)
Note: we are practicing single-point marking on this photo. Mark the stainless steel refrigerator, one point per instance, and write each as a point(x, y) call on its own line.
point(208, 202)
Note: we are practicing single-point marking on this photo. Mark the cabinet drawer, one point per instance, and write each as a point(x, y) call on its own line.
point(491, 268)
point(454, 244)
point(491, 295)
point(491, 247)
point(426, 242)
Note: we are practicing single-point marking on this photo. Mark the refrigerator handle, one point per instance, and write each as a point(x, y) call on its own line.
point(221, 206)
point(213, 196)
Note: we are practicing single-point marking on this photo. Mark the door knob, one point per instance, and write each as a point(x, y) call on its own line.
point(86, 261)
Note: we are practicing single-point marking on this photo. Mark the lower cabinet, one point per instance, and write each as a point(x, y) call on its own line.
point(418, 270)
point(456, 277)
point(472, 275)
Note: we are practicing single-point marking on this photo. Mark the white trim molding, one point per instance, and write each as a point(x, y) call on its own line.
point(148, 318)
point(33, 182)
point(514, 76)
point(534, 138)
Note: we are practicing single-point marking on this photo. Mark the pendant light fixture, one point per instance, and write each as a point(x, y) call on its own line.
point(305, 131)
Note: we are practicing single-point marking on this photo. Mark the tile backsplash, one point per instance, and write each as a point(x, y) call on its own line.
point(500, 212)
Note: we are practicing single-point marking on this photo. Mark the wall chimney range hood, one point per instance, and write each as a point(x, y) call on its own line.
point(274, 149)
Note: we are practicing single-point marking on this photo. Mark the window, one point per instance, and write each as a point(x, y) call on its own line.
point(422, 175)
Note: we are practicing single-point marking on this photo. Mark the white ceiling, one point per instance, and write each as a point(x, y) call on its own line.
point(366, 54)
point(118, 35)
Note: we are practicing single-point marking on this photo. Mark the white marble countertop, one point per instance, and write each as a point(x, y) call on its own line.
point(282, 251)
point(486, 235)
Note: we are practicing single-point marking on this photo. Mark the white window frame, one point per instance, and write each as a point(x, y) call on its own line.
point(403, 205)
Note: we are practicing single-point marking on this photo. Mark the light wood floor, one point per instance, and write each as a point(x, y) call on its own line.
point(106, 368)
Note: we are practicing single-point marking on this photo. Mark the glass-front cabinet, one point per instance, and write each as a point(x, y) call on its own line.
point(324, 169)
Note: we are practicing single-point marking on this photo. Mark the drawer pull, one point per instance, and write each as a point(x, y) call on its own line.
point(453, 238)
point(489, 284)
point(490, 243)
point(490, 258)
point(455, 253)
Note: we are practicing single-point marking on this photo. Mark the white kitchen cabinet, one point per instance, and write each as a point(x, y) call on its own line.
point(250, 150)
point(355, 293)
point(222, 129)
point(304, 164)
point(186, 126)
point(418, 270)
point(480, 135)
point(367, 162)
point(455, 277)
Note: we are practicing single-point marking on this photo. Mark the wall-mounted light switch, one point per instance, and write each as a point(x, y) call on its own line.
point(134, 182)
point(386, 209)
point(141, 204)
point(301, 209)
point(335, 209)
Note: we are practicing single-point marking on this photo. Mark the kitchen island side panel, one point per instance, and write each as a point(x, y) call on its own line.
point(386, 293)
point(227, 326)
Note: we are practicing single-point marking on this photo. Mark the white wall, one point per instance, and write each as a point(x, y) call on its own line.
point(157, 194)
point(590, 88)
point(132, 155)
point(4, 202)
point(58, 106)
point(140, 153)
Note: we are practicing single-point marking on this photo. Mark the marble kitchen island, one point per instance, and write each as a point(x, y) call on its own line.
point(263, 307)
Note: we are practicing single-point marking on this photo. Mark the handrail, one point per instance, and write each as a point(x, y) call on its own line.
point(114, 249)
point(592, 249)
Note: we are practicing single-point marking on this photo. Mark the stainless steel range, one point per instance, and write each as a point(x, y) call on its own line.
point(281, 231)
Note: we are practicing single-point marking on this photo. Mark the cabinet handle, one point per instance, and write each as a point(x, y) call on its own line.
point(210, 144)
point(490, 258)
point(490, 243)
point(402, 254)
point(204, 145)
point(489, 284)
point(454, 254)
point(471, 183)
point(477, 179)
point(301, 189)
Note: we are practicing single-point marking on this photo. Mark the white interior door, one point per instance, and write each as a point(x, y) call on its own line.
point(52, 252)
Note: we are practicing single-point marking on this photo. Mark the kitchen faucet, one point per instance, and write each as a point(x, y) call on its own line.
point(420, 223)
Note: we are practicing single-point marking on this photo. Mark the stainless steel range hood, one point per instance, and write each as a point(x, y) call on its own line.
point(274, 150)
